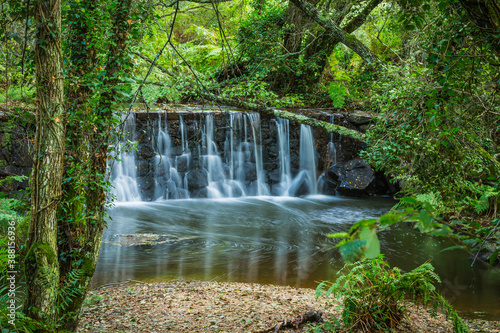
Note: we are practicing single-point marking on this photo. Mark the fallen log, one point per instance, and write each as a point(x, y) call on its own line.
point(331, 128)
point(308, 317)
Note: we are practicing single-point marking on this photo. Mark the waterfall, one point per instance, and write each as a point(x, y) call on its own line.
point(332, 150)
point(283, 127)
point(308, 157)
point(254, 118)
point(217, 156)
point(123, 170)
point(305, 181)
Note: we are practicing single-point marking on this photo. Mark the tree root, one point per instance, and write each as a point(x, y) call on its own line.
point(309, 316)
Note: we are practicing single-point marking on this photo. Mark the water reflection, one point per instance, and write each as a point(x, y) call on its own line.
point(277, 240)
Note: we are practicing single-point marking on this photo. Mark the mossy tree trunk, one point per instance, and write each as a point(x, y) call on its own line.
point(82, 219)
point(72, 230)
point(322, 47)
point(322, 38)
point(485, 14)
point(41, 264)
point(336, 32)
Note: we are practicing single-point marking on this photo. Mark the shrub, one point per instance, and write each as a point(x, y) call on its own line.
point(374, 296)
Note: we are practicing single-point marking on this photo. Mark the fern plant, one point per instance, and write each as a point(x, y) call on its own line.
point(374, 296)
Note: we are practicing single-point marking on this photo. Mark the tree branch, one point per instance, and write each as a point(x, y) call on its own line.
point(337, 32)
point(330, 128)
point(161, 68)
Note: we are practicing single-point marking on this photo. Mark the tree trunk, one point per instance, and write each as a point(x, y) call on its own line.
point(321, 43)
point(72, 212)
point(485, 14)
point(337, 33)
point(324, 45)
point(87, 212)
point(41, 264)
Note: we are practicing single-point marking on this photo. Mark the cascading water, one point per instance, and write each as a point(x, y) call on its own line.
point(283, 127)
point(305, 181)
point(123, 170)
point(262, 188)
point(332, 150)
point(209, 167)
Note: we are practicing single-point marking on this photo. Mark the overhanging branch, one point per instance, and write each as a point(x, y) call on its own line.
point(337, 32)
point(330, 128)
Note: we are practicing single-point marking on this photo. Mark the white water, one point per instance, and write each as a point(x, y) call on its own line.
point(124, 171)
point(284, 155)
point(236, 171)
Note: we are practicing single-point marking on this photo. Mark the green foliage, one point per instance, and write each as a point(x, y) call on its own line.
point(259, 38)
point(361, 242)
point(10, 208)
point(442, 103)
point(488, 198)
point(337, 93)
point(250, 91)
point(374, 295)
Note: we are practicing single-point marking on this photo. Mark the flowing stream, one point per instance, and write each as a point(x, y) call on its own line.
point(277, 240)
point(249, 230)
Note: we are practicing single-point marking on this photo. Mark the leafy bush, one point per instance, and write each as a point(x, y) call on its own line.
point(374, 295)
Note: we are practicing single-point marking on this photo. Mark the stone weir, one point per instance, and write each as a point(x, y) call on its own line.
point(216, 154)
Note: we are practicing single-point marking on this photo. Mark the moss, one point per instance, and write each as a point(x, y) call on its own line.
point(22, 229)
point(351, 39)
point(46, 249)
point(88, 267)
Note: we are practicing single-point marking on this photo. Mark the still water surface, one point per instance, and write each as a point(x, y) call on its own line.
point(277, 240)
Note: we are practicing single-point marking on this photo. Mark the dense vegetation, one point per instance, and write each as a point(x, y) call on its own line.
point(429, 70)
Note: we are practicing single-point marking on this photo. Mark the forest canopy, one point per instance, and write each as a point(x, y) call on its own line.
point(429, 70)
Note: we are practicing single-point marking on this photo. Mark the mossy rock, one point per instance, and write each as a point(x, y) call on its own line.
point(146, 239)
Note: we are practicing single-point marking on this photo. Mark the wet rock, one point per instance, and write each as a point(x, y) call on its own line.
point(274, 176)
point(20, 154)
point(201, 194)
point(182, 163)
point(250, 171)
point(355, 178)
point(145, 151)
point(142, 168)
point(326, 186)
point(146, 239)
point(146, 187)
point(358, 117)
point(334, 172)
point(197, 179)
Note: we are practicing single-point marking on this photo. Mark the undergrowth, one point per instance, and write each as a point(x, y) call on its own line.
point(375, 296)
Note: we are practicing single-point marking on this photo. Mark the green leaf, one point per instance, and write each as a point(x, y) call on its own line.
point(493, 257)
point(456, 247)
point(409, 200)
point(338, 235)
point(372, 243)
point(352, 251)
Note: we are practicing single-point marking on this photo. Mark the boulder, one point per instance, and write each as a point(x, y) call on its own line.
point(358, 117)
point(326, 186)
point(355, 178)
point(250, 171)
